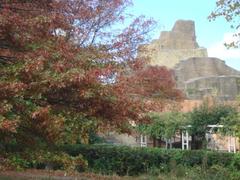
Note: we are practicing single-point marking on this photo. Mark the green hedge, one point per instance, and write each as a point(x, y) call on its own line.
point(122, 160)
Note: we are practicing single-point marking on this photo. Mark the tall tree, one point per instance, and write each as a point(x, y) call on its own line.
point(62, 68)
point(206, 115)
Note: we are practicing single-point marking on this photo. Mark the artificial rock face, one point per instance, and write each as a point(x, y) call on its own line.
point(199, 77)
point(182, 36)
point(196, 74)
point(175, 45)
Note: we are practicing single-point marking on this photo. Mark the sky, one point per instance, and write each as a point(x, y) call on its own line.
point(210, 35)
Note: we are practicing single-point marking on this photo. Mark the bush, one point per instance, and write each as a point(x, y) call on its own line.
point(56, 160)
point(42, 159)
point(13, 162)
point(109, 159)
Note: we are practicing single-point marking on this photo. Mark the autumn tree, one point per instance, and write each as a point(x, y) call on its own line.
point(230, 10)
point(63, 69)
point(153, 84)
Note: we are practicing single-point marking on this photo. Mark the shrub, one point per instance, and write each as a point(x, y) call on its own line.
point(13, 162)
point(109, 159)
point(42, 159)
point(56, 160)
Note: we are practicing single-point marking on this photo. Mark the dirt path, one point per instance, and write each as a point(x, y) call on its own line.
point(51, 175)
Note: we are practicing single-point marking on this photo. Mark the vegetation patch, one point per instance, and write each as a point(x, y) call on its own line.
point(122, 160)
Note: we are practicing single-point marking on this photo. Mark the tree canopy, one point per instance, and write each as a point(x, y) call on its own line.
point(206, 115)
point(209, 115)
point(64, 70)
point(167, 124)
point(164, 125)
point(230, 10)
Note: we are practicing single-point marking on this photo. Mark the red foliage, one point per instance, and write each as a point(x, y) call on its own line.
point(155, 81)
point(154, 84)
point(53, 56)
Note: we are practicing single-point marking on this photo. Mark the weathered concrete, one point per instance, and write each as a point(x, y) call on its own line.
point(199, 77)
point(182, 36)
point(222, 87)
point(170, 58)
point(173, 46)
point(201, 67)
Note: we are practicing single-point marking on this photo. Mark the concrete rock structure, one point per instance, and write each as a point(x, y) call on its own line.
point(199, 77)
point(196, 74)
point(173, 46)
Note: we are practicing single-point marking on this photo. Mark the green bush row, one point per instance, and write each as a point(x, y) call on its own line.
point(122, 160)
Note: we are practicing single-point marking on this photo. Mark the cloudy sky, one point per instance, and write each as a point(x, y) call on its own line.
point(211, 35)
